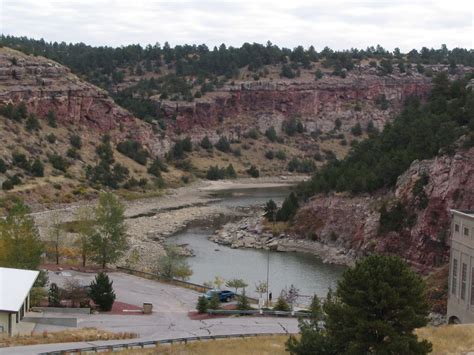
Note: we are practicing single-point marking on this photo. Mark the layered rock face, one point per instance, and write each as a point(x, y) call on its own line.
point(353, 222)
point(47, 86)
point(318, 103)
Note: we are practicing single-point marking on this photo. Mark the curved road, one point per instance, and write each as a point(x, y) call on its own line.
point(171, 305)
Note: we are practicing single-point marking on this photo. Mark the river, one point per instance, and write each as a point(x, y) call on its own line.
point(307, 272)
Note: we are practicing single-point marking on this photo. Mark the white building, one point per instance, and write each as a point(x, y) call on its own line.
point(461, 270)
point(15, 286)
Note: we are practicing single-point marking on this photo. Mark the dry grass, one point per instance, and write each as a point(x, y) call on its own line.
point(66, 336)
point(262, 345)
point(449, 339)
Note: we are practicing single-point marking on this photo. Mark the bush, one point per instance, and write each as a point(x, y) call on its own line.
point(202, 304)
point(134, 150)
point(288, 208)
point(51, 138)
point(32, 123)
point(281, 305)
point(20, 160)
point(223, 145)
point(206, 143)
point(253, 171)
point(187, 144)
point(51, 118)
point(287, 72)
point(271, 134)
point(102, 292)
point(3, 166)
point(73, 153)
point(37, 168)
point(301, 166)
point(253, 133)
point(269, 154)
point(214, 303)
point(243, 303)
point(58, 162)
point(54, 299)
point(293, 126)
point(394, 219)
point(382, 102)
point(280, 154)
point(157, 167)
point(76, 141)
point(356, 130)
point(216, 173)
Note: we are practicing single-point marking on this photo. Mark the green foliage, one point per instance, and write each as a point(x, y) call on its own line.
point(110, 238)
point(301, 166)
point(20, 160)
point(223, 144)
point(206, 143)
point(253, 133)
point(421, 199)
point(51, 138)
point(318, 74)
point(243, 303)
point(37, 168)
point(202, 304)
point(214, 302)
point(173, 264)
point(419, 132)
point(216, 173)
point(281, 305)
point(102, 292)
point(42, 279)
point(187, 144)
point(3, 166)
point(337, 124)
point(20, 243)
point(271, 134)
point(73, 153)
point(287, 72)
point(270, 209)
point(75, 141)
point(16, 113)
point(236, 284)
point(134, 150)
point(386, 66)
point(157, 167)
point(269, 154)
point(253, 171)
point(382, 103)
point(377, 306)
point(32, 123)
point(288, 208)
point(394, 219)
point(292, 126)
point(54, 299)
point(51, 118)
point(280, 154)
point(58, 162)
point(356, 130)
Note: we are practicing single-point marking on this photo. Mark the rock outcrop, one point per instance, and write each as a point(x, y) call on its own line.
point(44, 85)
point(353, 222)
point(354, 99)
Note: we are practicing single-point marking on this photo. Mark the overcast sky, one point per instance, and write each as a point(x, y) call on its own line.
point(337, 24)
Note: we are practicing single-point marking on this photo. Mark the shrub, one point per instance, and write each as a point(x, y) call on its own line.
point(73, 153)
point(54, 299)
point(281, 305)
point(280, 154)
point(51, 118)
point(157, 167)
point(37, 168)
point(3, 166)
point(214, 303)
point(58, 162)
point(202, 304)
point(102, 292)
point(243, 303)
point(318, 74)
point(51, 138)
point(287, 72)
point(187, 144)
point(253, 171)
point(253, 133)
point(134, 150)
point(356, 130)
point(32, 123)
point(20, 160)
point(7, 185)
point(293, 126)
point(288, 208)
point(269, 154)
point(237, 152)
point(301, 166)
point(394, 219)
point(76, 141)
point(271, 134)
point(337, 124)
point(206, 143)
point(382, 102)
point(223, 144)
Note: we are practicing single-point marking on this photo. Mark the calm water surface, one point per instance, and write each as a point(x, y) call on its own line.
point(305, 271)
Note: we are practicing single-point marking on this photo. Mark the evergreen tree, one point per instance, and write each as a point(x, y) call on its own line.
point(51, 118)
point(378, 304)
point(54, 299)
point(37, 168)
point(206, 143)
point(214, 303)
point(102, 292)
point(281, 305)
point(271, 134)
point(288, 209)
point(270, 209)
point(243, 303)
point(202, 304)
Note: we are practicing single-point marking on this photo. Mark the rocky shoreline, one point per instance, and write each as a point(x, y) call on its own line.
point(249, 233)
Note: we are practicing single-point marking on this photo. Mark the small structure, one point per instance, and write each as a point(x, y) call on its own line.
point(15, 286)
point(461, 270)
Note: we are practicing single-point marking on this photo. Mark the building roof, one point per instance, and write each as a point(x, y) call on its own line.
point(15, 284)
point(464, 213)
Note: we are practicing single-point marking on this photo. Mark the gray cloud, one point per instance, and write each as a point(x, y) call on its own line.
point(338, 24)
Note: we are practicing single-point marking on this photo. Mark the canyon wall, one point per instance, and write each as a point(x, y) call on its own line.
point(353, 222)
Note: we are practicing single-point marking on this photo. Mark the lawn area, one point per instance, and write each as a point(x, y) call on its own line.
point(449, 339)
point(262, 345)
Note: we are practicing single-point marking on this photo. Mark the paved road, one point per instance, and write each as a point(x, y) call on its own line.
point(169, 319)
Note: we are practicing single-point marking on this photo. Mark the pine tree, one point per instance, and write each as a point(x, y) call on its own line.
point(214, 303)
point(54, 299)
point(202, 304)
point(102, 292)
point(243, 303)
point(281, 305)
